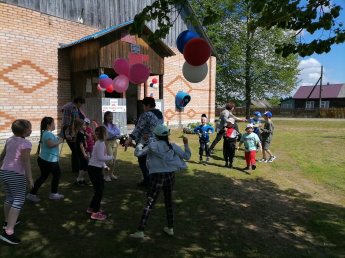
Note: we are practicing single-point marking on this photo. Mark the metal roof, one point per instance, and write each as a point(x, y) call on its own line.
point(328, 91)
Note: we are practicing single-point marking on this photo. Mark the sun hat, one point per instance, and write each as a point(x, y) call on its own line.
point(161, 130)
point(268, 113)
point(230, 120)
point(257, 113)
point(249, 126)
point(86, 120)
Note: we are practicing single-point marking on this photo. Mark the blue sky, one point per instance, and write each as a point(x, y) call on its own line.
point(333, 62)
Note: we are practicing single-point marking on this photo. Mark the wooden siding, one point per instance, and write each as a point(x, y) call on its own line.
point(103, 14)
point(85, 56)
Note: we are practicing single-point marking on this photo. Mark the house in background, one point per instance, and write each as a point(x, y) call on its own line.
point(287, 103)
point(332, 96)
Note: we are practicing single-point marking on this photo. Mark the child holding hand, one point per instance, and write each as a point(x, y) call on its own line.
point(16, 163)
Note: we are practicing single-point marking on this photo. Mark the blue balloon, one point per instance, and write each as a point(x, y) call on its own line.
point(103, 76)
point(151, 84)
point(184, 37)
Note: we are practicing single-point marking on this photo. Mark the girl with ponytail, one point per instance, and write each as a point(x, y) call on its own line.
point(48, 151)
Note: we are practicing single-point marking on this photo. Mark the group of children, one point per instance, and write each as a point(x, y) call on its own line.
point(255, 138)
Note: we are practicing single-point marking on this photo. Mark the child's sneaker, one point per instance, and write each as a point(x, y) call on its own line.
point(11, 239)
point(107, 178)
point(208, 159)
point(271, 159)
point(230, 165)
point(200, 160)
point(32, 198)
point(4, 226)
point(253, 166)
point(113, 177)
point(90, 210)
point(56, 196)
point(98, 216)
point(262, 160)
point(139, 234)
point(169, 231)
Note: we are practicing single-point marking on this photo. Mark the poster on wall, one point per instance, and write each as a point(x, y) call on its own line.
point(114, 102)
point(114, 108)
point(159, 106)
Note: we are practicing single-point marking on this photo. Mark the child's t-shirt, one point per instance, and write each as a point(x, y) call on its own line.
point(255, 122)
point(250, 141)
point(81, 138)
point(49, 154)
point(204, 130)
point(13, 159)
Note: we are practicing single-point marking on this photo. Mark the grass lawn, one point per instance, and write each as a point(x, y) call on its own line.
point(294, 207)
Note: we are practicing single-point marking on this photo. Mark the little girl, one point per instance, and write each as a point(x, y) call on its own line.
point(47, 160)
point(163, 158)
point(16, 163)
point(111, 144)
point(79, 128)
point(89, 136)
point(95, 172)
point(251, 141)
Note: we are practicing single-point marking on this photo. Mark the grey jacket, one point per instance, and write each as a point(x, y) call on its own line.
point(160, 158)
point(224, 115)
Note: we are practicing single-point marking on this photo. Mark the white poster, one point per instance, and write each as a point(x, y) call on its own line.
point(159, 106)
point(114, 108)
point(113, 102)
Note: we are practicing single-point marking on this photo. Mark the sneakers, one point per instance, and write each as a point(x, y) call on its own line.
point(4, 226)
point(230, 165)
point(139, 234)
point(56, 196)
point(11, 239)
point(253, 166)
point(98, 216)
point(169, 231)
point(113, 177)
point(271, 159)
point(207, 159)
point(90, 210)
point(200, 160)
point(262, 160)
point(107, 178)
point(32, 198)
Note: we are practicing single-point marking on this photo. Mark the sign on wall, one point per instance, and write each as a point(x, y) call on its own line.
point(126, 37)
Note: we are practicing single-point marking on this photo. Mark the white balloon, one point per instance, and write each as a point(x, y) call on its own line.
point(194, 74)
point(155, 86)
point(100, 88)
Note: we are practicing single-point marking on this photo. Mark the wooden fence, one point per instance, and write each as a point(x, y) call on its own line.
point(291, 112)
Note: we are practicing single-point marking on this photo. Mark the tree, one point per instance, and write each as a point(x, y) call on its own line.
point(247, 64)
point(295, 15)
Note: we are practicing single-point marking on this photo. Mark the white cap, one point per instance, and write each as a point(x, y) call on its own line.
point(231, 121)
point(86, 120)
point(249, 126)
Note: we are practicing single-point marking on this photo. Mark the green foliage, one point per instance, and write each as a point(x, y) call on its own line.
point(274, 102)
point(193, 125)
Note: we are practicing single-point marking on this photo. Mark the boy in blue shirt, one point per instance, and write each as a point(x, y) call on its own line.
point(255, 121)
point(204, 130)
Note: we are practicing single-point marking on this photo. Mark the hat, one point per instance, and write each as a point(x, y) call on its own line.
point(230, 120)
point(249, 126)
point(268, 113)
point(161, 130)
point(86, 120)
point(257, 113)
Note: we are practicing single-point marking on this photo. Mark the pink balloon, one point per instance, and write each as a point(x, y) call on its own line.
point(105, 82)
point(100, 88)
point(121, 66)
point(138, 73)
point(120, 83)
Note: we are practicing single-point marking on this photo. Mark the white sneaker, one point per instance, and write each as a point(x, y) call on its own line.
point(107, 178)
point(32, 198)
point(271, 159)
point(139, 234)
point(262, 160)
point(169, 231)
point(56, 196)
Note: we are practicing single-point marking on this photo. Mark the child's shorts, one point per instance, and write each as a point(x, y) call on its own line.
point(266, 143)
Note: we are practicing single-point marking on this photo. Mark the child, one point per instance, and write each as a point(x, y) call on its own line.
point(251, 141)
point(229, 145)
point(111, 144)
point(204, 130)
point(47, 160)
point(163, 158)
point(16, 163)
point(267, 135)
point(95, 173)
point(89, 136)
point(84, 156)
point(255, 121)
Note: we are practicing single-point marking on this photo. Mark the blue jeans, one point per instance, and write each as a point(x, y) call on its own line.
point(144, 170)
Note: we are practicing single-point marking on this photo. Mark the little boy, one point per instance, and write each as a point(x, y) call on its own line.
point(204, 130)
point(267, 135)
point(255, 121)
point(229, 145)
point(251, 141)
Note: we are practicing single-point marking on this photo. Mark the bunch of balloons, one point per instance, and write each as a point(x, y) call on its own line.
point(137, 74)
point(196, 52)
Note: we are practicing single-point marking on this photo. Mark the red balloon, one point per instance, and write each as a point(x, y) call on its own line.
point(196, 51)
point(110, 89)
point(154, 80)
point(138, 73)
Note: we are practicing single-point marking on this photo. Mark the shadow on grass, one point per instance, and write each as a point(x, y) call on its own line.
point(215, 215)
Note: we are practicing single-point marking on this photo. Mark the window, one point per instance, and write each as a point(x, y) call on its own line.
point(324, 104)
point(286, 105)
point(309, 105)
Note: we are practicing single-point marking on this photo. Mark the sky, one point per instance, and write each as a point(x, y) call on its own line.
point(333, 62)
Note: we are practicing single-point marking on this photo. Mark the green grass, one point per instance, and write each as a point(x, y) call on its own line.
point(293, 207)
